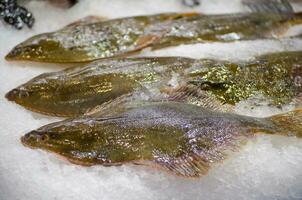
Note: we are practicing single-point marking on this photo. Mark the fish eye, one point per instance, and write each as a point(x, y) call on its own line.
point(23, 94)
point(44, 137)
point(15, 91)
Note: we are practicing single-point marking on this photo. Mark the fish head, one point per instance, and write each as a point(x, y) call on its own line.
point(35, 48)
point(84, 141)
point(46, 48)
point(64, 140)
point(54, 137)
point(35, 94)
point(23, 96)
point(35, 139)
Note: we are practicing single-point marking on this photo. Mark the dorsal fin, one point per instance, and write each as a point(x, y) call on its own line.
point(87, 20)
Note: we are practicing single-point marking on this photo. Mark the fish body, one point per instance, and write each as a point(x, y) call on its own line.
point(89, 41)
point(113, 82)
point(180, 138)
point(225, 28)
point(276, 76)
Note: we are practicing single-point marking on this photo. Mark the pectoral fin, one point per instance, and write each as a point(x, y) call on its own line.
point(194, 95)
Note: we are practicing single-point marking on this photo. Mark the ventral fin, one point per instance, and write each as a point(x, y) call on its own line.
point(190, 166)
point(194, 95)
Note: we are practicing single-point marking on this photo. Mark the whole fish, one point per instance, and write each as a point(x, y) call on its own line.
point(213, 84)
point(183, 139)
point(82, 42)
point(91, 39)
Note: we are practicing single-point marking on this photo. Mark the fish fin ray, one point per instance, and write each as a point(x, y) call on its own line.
point(87, 20)
point(112, 107)
point(191, 93)
point(190, 166)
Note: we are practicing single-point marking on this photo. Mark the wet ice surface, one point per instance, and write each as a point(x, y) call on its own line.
point(265, 168)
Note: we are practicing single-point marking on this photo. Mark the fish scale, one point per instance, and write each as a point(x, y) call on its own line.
point(213, 84)
point(183, 139)
point(89, 40)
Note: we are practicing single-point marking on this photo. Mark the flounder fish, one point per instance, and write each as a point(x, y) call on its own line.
point(91, 40)
point(217, 85)
point(183, 139)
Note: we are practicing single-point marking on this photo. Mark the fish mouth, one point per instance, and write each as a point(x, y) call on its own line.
point(10, 56)
point(11, 95)
point(23, 141)
point(14, 54)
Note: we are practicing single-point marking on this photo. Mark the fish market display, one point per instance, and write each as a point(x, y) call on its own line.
point(183, 139)
point(118, 37)
point(213, 84)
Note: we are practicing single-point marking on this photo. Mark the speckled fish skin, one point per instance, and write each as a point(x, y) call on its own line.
point(276, 76)
point(181, 138)
point(227, 28)
point(90, 40)
point(74, 91)
point(119, 37)
point(79, 90)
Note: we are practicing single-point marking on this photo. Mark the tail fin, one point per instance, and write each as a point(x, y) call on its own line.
point(289, 123)
point(270, 6)
point(296, 19)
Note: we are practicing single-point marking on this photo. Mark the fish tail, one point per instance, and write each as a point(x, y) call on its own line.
point(289, 123)
point(298, 15)
point(296, 19)
point(269, 6)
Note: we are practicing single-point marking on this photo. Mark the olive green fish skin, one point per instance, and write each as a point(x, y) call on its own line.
point(75, 91)
point(82, 42)
point(79, 90)
point(119, 37)
point(161, 133)
point(276, 76)
point(226, 28)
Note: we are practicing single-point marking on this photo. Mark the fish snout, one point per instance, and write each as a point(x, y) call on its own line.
point(16, 94)
point(33, 137)
point(14, 54)
point(22, 52)
point(11, 95)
